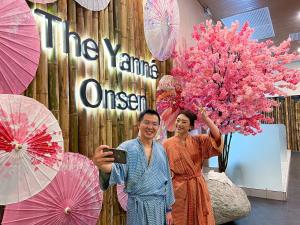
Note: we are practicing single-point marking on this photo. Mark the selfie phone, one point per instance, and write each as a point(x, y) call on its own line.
point(119, 155)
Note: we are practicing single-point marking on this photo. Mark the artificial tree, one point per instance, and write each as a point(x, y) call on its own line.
point(231, 76)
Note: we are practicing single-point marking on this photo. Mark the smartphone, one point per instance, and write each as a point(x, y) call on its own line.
point(119, 155)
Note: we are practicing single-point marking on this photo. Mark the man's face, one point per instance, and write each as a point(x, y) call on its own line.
point(148, 126)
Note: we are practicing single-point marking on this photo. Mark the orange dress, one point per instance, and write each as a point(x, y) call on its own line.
point(192, 202)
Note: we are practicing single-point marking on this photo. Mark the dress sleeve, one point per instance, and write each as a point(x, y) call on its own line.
point(209, 146)
point(170, 198)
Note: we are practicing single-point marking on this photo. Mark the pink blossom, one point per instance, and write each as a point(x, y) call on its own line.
point(230, 75)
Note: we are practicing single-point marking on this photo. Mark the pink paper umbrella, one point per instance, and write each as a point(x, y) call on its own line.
point(72, 198)
point(19, 46)
point(31, 148)
point(43, 1)
point(161, 26)
point(122, 196)
point(169, 101)
point(94, 5)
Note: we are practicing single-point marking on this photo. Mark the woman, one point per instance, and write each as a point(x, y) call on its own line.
point(186, 156)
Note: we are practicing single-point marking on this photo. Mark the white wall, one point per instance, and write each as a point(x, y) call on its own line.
point(191, 13)
point(255, 161)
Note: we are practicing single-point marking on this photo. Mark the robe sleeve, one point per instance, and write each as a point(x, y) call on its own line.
point(118, 173)
point(209, 146)
point(170, 197)
point(104, 180)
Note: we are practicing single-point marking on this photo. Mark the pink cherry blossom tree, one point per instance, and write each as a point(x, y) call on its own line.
point(230, 75)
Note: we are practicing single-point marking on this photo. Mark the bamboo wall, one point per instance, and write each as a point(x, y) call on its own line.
point(288, 113)
point(58, 74)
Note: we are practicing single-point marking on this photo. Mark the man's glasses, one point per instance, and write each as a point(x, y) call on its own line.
point(154, 124)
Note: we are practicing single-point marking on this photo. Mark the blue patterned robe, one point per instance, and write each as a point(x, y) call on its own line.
point(149, 187)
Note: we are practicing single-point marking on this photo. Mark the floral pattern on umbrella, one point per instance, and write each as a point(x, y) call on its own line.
point(31, 147)
point(73, 197)
point(161, 27)
point(169, 101)
point(19, 46)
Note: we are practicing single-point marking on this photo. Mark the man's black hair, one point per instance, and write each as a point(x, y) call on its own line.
point(149, 112)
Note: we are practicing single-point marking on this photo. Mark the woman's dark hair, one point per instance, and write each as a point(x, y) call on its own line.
point(150, 112)
point(192, 116)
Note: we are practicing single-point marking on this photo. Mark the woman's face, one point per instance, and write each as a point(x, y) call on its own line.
point(182, 124)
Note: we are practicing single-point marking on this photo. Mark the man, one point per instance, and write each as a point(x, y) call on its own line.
point(146, 174)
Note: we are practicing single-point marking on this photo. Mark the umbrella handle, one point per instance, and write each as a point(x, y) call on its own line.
point(18, 147)
point(67, 210)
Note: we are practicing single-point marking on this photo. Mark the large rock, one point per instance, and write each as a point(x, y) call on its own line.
point(229, 201)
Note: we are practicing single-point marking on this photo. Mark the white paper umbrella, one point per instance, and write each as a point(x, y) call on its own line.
point(19, 46)
point(43, 1)
point(94, 5)
point(74, 197)
point(31, 148)
point(161, 26)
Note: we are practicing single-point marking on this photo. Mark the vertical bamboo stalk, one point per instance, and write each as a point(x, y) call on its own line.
point(53, 70)
point(63, 75)
point(124, 46)
point(42, 73)
point(73, 145)
point(82, 112)
point(88, 17)
point(95, 72)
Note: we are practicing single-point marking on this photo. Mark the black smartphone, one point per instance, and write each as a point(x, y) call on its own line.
point(119, 155)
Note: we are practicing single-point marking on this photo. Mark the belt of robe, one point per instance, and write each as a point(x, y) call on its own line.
point(202, 204)
point(139, 205)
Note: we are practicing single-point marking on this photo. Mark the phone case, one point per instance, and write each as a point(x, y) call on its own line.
point(119, 155)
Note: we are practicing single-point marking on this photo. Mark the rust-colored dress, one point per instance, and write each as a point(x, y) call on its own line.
point(192, 202)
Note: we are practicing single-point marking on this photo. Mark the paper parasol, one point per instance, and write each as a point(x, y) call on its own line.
point(94, 5)
point(122, 196)
point(74, 197)
point(31, 148)
point(43, 1)
point(161, 27)
point(19, 46)
point(169, 101)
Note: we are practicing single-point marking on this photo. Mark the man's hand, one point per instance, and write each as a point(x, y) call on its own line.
point(169, 218)
point(101, 159)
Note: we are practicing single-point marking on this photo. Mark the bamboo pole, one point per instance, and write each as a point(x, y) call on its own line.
point(42, 72)
point(82, 112)
point(73, 145)
point(53, 70)
point(63, 75)
point(95, 72)
point(88, 17)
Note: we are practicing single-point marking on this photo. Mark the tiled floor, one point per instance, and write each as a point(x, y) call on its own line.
point(271, 212)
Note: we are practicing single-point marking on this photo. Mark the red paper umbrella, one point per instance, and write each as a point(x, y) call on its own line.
point(169, 101)
point(19, 46)
point(31, 148)
point(122, 196)
point(74, 197)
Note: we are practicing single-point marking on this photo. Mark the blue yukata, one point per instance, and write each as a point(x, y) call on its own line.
point(149, 187)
